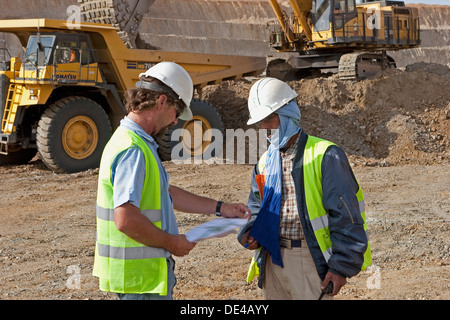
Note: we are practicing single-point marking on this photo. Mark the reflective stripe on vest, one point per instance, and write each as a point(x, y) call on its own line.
point(129, 253)
point(122, 264)
point(312, 175)
point(108, 214)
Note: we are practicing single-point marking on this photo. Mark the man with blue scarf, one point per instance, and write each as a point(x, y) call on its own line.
point(308, 220)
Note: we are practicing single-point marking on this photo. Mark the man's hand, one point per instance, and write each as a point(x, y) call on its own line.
point(338, 282)
point(249, 242)
point(179, 246)
point(135, 225)
point(235, 210)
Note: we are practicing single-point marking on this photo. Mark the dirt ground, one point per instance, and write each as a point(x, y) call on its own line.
point(395, 129)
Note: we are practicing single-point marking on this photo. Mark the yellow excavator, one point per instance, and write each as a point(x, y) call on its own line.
point(340, 36)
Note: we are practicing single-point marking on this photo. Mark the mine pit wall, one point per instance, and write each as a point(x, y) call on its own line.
point(208, 26)
point(227, 27)
point(435, 36)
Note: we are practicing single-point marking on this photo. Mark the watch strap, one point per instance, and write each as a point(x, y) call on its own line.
point(219, 204)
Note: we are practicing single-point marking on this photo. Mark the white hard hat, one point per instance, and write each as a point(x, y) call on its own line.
point(266, 96)
point(175, 77)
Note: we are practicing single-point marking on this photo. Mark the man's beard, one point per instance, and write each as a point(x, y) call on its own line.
point(161, 134)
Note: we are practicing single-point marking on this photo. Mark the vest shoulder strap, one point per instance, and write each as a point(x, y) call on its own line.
point(262, 162)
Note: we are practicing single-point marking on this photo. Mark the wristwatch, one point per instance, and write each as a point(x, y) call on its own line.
point(219, 204)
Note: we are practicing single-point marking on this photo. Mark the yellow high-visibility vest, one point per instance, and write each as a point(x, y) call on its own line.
point(122, 264)
point(312, 174)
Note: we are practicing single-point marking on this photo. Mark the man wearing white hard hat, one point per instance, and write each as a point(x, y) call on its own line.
point(308, 221)
point(137, 232)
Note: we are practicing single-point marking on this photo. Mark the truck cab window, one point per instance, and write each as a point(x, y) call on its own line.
point(36, 47)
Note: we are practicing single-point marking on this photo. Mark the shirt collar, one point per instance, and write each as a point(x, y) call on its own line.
point(129, 124)
point(292, 148)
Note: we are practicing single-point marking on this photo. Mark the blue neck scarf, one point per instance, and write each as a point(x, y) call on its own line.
point(267, 223)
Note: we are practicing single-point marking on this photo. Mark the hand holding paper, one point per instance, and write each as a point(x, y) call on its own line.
point(216, 228)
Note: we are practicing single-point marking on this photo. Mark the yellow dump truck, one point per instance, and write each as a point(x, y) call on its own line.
point(64, 96)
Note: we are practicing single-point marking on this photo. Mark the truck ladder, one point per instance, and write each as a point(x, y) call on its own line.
point(12, 102)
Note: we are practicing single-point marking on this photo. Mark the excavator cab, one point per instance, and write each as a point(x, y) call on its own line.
point(320, 15)
point(342, 12)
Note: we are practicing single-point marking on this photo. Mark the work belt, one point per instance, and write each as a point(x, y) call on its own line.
point(289, 244)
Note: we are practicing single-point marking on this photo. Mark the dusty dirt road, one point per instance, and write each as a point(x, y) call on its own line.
point(395, 129)
point(47, 234)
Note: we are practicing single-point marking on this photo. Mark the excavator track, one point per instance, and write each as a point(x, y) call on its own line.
point(124, 14)
point(359, 66)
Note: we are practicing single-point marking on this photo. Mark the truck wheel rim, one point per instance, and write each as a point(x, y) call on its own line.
point(80, 137)
point(193, 138)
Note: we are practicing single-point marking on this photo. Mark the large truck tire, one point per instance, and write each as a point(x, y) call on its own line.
point(72, 133)
point(205, 117)
point(124, 14)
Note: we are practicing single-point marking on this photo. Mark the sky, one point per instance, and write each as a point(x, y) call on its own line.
point(441, 2)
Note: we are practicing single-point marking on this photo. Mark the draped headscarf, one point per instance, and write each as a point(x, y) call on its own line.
point(267, 223)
